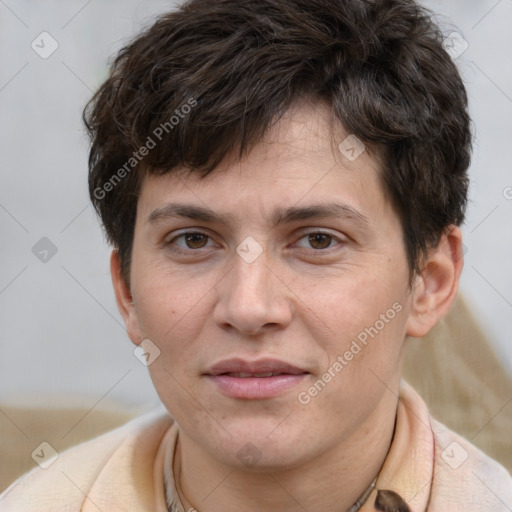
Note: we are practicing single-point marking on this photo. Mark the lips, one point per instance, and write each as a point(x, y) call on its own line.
point(266, 378)
point(243, 375)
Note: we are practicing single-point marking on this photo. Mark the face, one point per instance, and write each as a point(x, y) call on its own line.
point(276, 290)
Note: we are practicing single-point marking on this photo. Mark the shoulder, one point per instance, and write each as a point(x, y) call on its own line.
point(64, 484)
point(465, 474)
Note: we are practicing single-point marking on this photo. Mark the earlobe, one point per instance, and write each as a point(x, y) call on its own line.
point(436, 287)
point(124, 298)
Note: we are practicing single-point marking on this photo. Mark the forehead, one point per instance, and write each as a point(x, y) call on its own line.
point(303, 159)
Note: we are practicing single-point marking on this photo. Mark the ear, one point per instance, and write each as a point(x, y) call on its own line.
point(124, 299)
point(436, 287)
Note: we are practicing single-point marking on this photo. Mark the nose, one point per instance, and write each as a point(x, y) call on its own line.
point(253, 298)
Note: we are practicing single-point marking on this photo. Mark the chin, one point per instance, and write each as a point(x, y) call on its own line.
point(261, 445)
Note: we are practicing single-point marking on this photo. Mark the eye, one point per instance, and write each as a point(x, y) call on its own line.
point(319, 240)
point(190, 240)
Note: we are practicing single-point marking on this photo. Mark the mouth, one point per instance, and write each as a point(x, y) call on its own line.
point(244, 375)
point(263, 379)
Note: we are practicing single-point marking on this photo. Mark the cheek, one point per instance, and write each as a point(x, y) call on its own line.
point(358, 324)
point(339, 307)
point(362, 353)
point(167, 300)
point(172, 312)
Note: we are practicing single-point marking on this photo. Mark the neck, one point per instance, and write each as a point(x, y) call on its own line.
point(332, 481)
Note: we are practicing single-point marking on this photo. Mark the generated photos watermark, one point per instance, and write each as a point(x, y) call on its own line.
point(455, 45)
point(147, 352)
point(249, 250)
point(44, 45)
point(342, 361)
point(44, 455)
point(455, 455)
point(137, 156)
point(352, 147)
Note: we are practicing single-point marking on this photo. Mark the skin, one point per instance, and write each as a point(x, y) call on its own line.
point(302, 301)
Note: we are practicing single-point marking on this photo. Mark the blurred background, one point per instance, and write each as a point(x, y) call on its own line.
point(61, 335)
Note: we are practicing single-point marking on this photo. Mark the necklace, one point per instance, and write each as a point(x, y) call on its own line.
point(361, 501)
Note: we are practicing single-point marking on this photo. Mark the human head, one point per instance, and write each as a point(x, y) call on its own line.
point(234, 111)
point(208, 80)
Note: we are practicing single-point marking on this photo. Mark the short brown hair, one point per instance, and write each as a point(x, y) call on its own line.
point(211, 77)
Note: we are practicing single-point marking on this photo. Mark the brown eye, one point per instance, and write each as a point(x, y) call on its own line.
point(195, 240)
point(190, 244)
point(320, 240)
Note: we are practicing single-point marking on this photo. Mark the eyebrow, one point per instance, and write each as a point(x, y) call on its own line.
point(280, 216)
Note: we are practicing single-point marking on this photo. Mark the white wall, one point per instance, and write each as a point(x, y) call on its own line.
point(61, 332)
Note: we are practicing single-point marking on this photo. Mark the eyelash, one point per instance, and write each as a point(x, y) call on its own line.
point(172, 243)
